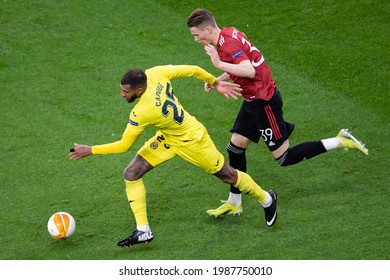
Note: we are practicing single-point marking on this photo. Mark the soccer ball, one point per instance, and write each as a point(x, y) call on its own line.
point(61, 225)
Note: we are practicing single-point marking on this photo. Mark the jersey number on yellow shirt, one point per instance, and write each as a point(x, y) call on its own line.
point(174, 104)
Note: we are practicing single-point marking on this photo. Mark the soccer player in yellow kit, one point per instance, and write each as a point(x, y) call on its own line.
point(178, 133)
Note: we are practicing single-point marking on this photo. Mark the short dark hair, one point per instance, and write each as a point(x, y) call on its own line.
point(134, 78)
point(201, 18)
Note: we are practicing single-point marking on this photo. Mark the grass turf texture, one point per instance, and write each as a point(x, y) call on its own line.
point(60, 68)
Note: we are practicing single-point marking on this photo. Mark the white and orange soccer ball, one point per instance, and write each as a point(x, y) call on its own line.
point(61, 225)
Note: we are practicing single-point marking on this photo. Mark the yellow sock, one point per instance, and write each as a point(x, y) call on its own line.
point(246, 185)
point(136, 195)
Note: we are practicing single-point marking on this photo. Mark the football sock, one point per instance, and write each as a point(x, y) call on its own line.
point(246, 185)
point(237, 160)
point(234, 199)
point(144, 228)
point(332, 143)
point(268, 201)
point(301, 152)
point(136, 195)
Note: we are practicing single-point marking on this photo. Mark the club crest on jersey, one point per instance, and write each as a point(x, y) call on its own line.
point(154, 145)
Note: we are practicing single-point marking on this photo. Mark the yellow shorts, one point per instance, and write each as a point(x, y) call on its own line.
point(202, 153)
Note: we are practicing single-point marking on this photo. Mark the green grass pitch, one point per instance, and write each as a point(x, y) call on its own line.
point(61, 62)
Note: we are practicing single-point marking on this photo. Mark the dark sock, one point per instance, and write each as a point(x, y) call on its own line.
point(237, 160)
point(301, 152)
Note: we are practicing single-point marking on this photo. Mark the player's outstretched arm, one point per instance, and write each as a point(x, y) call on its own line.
point(224, 77)
point(228, 89)
point(80, 151)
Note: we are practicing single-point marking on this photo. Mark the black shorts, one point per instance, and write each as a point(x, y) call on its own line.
point(260, 118)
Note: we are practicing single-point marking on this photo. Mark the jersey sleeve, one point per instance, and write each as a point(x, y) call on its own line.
point(130, 135)
point(182, 71)
point(232, 52)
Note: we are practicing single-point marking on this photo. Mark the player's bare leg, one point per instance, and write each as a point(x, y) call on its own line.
point(247, 185)
point(136, 195)
point(237, 159)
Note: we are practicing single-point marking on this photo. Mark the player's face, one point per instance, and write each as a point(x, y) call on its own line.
point(201, 36)
point(128, 93)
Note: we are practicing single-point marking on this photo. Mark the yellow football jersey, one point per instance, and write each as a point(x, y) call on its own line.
point(160, 108)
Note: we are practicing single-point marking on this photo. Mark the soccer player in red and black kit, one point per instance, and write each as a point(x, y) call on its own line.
point(261, 112)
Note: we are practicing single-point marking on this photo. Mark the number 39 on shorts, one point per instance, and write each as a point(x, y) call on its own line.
point(266, 134)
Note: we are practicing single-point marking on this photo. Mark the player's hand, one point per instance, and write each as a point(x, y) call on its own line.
point(228, 89)
point(208, 87)
point(80, 151)
point(212, 52)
